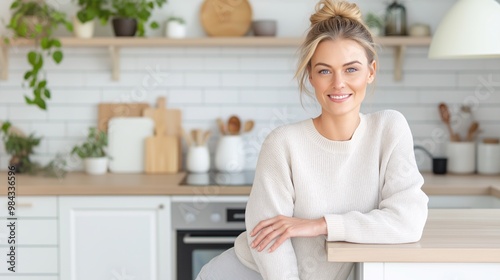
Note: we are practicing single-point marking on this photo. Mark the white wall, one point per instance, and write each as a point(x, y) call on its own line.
point(252, 82)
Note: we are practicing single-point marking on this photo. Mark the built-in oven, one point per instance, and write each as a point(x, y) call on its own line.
point(203, 230)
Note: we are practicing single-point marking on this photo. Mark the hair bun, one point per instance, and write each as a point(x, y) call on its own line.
point(327, 9)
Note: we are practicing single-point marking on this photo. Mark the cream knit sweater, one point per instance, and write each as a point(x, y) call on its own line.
point(368, 189)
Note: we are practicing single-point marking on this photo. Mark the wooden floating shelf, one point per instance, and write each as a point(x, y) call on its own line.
point(115, 43)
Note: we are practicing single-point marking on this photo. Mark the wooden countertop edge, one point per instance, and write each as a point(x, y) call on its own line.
point(427, 255)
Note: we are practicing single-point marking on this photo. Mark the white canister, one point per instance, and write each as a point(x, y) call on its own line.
point(198, 159)
point(83, 30)
point(488, 158)
point(175, 29)
point(461, 157)
point(230, 154)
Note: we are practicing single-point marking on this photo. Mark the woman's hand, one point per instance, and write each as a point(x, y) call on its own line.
point(282, 228)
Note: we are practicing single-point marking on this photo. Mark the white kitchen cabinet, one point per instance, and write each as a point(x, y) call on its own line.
point(114, 238)
point(430, 271)
point(37, 238)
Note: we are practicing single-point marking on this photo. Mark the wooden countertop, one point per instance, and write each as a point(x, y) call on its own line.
point(78, 183)
point(450, 235)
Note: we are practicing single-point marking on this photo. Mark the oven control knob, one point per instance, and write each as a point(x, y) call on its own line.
point(190, 217)
point(215, 217)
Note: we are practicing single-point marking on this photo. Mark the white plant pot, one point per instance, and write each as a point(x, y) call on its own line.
point(198, 159)
point(96, 166)
point(83, 30)
point(230, 154)
point(175, 29)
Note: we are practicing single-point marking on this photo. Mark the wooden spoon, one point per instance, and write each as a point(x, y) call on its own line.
point(233, 125)
point(474, 127)
point(445, 117)
point(206, 136)
point(248, 126)
point(222, 128)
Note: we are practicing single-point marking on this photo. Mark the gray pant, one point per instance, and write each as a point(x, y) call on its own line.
point(227, 266)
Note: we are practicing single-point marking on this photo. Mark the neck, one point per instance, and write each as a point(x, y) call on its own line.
point(337, 128)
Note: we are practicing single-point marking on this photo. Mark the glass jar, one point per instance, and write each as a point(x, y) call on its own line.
point(395, 20)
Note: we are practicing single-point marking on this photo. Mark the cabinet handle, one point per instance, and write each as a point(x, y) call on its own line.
point(188, 239)
point(161, 206)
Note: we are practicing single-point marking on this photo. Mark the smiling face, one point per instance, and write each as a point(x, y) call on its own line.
point(340, 72)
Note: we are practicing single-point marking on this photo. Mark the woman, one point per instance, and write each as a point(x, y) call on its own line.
point(342, 176)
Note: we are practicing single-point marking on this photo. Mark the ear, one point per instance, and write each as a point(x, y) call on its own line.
point(372, 71)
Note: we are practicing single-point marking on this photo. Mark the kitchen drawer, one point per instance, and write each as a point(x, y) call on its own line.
point(441, 271)
point(10, 277)
point(32, 260)
point(31, 206)
point(31, 232)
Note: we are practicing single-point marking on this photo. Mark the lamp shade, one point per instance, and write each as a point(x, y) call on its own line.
point(470, 29)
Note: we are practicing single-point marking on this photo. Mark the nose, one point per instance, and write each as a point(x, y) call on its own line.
point(338, 81)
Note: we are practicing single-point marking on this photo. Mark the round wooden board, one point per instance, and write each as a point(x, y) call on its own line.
point(226, 17)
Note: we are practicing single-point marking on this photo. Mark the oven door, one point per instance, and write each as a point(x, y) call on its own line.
point(195, 248)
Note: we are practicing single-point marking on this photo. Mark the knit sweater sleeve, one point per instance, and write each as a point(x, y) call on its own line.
point(272, 194)
point(402, 210)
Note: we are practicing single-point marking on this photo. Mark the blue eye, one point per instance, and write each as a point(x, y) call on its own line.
point(351, 70)
point(324, 71)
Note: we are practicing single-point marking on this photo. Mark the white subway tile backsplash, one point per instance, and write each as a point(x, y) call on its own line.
point(26, 113)
point(278, 79)
point(13, 95)
point(184, 96)
point(239, 79)
point(276, 96)
point(257, 63)
point(3, 111)
point(221, 96)
point(61, 78)
point(190, 63)
point(80, 113)
point(82, 96)
point(78, 129)
point(48, 129)
point(211, 63)
point(144, 63)
point(489, 81)
point(202, 79)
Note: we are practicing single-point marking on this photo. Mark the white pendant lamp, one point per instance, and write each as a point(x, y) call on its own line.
point(470, 29)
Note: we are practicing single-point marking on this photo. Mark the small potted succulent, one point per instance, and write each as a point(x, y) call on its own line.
point(175, 27)
point(130, 16)
point(89, 10)
point(93, 153)
point(375, 24)
point(20, 148)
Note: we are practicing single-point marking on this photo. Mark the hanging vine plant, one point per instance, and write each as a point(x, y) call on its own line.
point(37, 20)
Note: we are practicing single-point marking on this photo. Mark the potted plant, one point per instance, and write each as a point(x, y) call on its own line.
point(131, 16)
point(375, 24)
point(92, 152)
point(20, 147)
point(89, 10)
point(35, 19)
point(175, 27)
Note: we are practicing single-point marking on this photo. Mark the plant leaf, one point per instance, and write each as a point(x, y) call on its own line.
point(40, 103)
point(154, 25)
point(32, 57)
point(56, 43)
point(58, 56)
point(42, 84)
point(46, 92)
point(45, 43)
point(27, 75)
point(15, 5)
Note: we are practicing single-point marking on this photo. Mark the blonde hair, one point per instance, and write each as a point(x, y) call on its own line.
point(333, 20)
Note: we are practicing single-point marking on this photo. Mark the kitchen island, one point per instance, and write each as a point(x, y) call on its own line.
point(456, 244)
point(79, 183)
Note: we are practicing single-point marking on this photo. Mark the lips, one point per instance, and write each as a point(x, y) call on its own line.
point(339, 97)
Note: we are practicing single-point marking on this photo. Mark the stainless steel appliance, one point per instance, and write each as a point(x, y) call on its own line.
point(203, 228)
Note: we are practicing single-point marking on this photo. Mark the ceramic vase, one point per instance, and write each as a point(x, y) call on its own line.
point(96, 166)
point(198, 159)
point(83, 30)
point(230, 154)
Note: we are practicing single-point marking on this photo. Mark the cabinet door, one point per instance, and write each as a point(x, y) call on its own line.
point(441, 271)
point(114, 238)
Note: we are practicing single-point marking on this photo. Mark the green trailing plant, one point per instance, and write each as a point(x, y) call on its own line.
point(92, 9)
point(20, 148)
point(94, 145)
point(37, 20)
point(140, 10)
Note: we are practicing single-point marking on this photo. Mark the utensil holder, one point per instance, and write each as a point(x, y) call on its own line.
point(488, 158)
point(230, 155)
point(198, 159)
point(461, 157)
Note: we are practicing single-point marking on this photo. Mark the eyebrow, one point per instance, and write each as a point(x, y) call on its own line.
point(345, 64)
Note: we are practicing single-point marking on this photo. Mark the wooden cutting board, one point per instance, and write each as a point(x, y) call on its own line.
point(106, 111)
point(162, 152)
point(226, 17)
point(171, 120)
